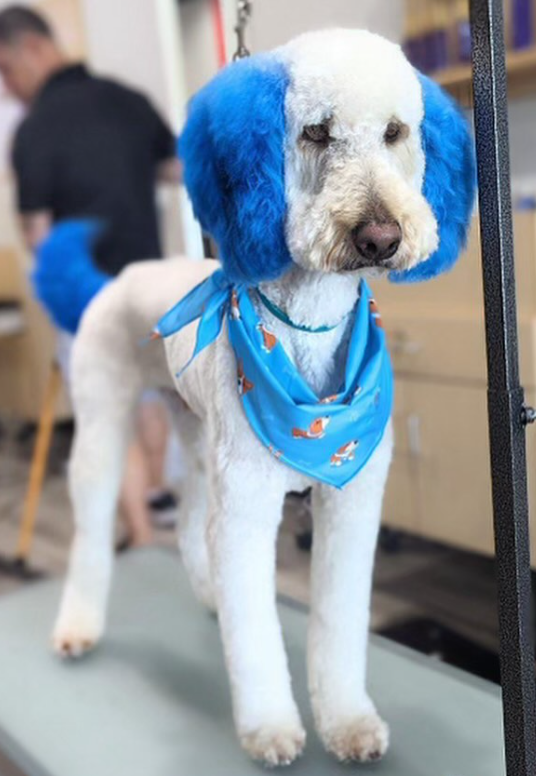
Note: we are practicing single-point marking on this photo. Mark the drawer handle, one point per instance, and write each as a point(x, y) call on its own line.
point(414, 435)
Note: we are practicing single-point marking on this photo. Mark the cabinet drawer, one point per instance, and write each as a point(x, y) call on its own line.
point(439, 486)
point(400, 507)
point(452, 348)
point(454, 483)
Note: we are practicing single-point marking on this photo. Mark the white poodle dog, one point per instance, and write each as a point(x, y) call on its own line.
point(313, 166)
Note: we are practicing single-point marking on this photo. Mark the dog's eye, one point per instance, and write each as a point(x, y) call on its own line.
point(317, 133)
point(395, 130)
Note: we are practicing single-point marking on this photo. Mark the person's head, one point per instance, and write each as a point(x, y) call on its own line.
point(29, 53)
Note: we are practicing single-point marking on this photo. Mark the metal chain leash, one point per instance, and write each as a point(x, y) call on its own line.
point(244, 10)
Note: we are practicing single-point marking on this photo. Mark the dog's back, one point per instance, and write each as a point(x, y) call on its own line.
point(111, 344)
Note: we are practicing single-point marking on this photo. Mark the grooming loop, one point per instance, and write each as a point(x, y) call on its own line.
point(244, 10)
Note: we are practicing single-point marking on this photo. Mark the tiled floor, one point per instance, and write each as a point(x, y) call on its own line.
point(419, 579)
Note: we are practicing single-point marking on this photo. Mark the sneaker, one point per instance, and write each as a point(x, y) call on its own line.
point(163, 510)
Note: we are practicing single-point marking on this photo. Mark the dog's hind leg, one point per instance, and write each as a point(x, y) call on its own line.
point(346, 524)
point(105, 391)
point(193, 508)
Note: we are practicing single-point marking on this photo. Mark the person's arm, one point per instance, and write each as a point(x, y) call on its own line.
point(169, 171)
point(164, 145)
point(35, 227)
point(33, 166)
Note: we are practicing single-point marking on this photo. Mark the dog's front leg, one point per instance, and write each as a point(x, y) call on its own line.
point(244, 518)
point(345, 532)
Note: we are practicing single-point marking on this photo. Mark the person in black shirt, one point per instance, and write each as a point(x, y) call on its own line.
point(89, 147)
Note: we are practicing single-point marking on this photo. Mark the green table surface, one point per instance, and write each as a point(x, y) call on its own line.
point(153, 700)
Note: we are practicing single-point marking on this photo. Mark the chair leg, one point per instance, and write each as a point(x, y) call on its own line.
point(39, 464)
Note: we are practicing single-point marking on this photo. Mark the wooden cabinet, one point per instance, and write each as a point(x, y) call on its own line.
point(440, 486)
point(402, 508)
point(26, 356)
point(446, 465)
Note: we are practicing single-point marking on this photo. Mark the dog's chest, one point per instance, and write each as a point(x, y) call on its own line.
point(320, 358)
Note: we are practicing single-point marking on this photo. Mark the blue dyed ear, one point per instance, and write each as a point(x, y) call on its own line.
point(232, 148)
point(65, 279)
point(449, 180)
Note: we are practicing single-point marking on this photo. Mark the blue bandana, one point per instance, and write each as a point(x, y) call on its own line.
point(330, 438)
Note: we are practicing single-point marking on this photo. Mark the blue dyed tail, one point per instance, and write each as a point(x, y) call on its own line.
point(65, 278)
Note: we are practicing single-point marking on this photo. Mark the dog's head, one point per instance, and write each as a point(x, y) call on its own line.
point(334, 153)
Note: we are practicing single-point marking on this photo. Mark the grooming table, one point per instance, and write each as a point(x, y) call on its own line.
point(153, 699)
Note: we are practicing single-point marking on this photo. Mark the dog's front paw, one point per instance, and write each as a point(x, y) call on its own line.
point(275, 746)
point(76, 634)
point(360, 739)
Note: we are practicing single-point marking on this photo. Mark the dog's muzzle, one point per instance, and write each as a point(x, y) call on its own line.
point(376, 242)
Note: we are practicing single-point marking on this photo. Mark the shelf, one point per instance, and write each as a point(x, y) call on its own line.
point(521, 69)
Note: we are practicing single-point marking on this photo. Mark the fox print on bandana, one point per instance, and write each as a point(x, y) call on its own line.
point(374, 309)
point(299, 428)
point(269, 340)
point(316, 430)
point(244, 385)
point(344, 453)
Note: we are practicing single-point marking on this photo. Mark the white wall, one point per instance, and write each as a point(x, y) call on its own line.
point(275, 21)
point(124, 40)
point(197, 41)
point(137, 43)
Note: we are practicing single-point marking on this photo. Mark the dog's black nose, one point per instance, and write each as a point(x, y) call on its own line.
point(377, 242)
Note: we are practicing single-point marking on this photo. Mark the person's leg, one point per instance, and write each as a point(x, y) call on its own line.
point(132, 499)
point(153, 429)
point(153, 432)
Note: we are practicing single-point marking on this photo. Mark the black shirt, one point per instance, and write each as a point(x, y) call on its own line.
point(89, 147)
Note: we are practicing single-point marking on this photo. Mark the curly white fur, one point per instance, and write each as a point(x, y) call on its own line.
point(228, 530)
point(360, 82)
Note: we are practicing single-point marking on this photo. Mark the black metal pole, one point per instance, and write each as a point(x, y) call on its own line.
point(506, 413)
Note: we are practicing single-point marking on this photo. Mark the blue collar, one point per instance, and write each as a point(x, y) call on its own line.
point(282, 316)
